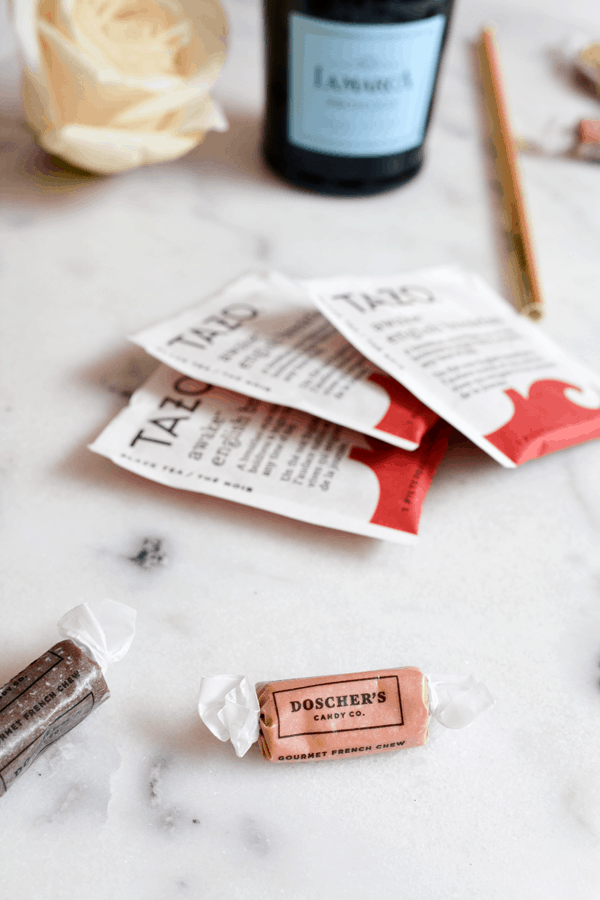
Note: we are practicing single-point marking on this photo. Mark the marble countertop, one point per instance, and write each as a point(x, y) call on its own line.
point(140, 801)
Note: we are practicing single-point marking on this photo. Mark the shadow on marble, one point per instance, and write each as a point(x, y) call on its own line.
point(174, 778)
point(31, 174)
point(561, 66)
point(87, 467)
point(463, 458)
point(235, 153)
point(121, 373)
point(192, 743)
point(67, 788)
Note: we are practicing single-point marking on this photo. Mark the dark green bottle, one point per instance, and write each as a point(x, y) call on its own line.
point(350, 85)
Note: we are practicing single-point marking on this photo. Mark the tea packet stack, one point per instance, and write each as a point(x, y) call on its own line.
point(263, 336)
point(329, 400)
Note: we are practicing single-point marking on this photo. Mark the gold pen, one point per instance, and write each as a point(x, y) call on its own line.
point(522, 269)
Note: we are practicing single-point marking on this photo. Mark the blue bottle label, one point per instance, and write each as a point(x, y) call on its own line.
point(361, 90)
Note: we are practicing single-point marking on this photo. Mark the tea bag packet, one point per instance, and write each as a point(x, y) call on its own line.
point(263, 336)
point(191, 435)
point(455, 344)
point(60, 688)
point(361, 714)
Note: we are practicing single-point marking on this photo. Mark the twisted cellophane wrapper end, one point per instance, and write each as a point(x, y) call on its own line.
point(114, 84)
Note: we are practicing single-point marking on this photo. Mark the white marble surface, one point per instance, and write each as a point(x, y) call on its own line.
point(140, 801)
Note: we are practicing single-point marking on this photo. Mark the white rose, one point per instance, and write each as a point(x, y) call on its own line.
point(113, 84)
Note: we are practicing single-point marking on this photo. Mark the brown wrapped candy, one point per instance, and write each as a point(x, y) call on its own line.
point(43, 702)
point(60, 688)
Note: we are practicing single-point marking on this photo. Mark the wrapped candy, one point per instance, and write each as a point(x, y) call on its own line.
point(60, 688)
point(345, 715)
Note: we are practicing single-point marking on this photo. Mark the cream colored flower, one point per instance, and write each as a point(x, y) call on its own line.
point(588, 62)
point(113, 84)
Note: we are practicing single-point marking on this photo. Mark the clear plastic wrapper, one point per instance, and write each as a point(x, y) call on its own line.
point(360, 714)
point(60, 688)
point(261, 335)
point(191, 435)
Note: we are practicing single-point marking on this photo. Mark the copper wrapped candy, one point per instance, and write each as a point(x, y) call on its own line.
point(60, 688)
point(306, 719)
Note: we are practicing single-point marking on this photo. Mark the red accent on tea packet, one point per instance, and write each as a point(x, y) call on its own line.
point(404, 477)
point(544, 421)
point(406, 415)
point(463, 351)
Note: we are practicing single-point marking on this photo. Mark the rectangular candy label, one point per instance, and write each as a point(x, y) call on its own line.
point(339, 706)
point(345, 715)
point(23, 682)
point(460, 348)
point(263, 336)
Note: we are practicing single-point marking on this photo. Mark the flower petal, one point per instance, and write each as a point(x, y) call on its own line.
point(104, 150)
point(158, 105)
point(206, 52)
point(25, 20)
point(40, 107)
point(81, 90)
point(95, 70)
point(201, 115)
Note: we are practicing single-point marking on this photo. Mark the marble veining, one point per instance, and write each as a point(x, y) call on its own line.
point(151, 553)
point(140, 802)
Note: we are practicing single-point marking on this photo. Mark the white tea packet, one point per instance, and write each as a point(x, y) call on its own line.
point(262, 335)
point(463, 351)
point(191, 435)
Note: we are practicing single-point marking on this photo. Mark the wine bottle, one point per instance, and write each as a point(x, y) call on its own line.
point(350, 86)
